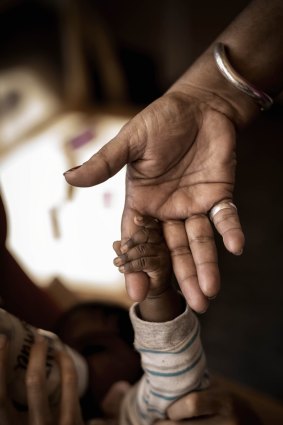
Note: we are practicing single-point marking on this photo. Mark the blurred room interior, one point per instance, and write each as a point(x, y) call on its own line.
point(72, 72)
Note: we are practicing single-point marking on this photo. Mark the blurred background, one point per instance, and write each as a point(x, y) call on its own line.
point(71, 74)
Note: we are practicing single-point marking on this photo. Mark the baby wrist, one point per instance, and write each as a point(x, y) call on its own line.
point(163, 307)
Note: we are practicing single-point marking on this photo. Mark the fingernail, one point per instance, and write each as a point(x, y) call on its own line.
point(239, 252)
point(203, 311)
point(139, 218)
point(71, 169)
point(39, 337)
point(124, 249)
point(122, 269)
point(117, 261)
point(3, 341)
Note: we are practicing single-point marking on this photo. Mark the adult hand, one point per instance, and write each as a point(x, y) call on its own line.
point(181, 162)
point(213, 406)
point(180, 152)
point(39, 411)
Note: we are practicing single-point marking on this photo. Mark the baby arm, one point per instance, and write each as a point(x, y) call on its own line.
point(146, 251)
point(166, 330)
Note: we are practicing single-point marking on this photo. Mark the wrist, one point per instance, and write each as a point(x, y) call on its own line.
point(162, 307)
point(204, 82)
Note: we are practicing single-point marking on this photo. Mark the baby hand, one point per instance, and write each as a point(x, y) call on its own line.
point(146, 251)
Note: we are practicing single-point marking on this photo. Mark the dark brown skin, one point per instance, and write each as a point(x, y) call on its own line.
point(146, 251)
point(180, 153)
point(39, 410)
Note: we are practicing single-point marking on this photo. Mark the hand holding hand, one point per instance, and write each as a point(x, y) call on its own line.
point(180, 152)
point(146, 251)
point(213, 406)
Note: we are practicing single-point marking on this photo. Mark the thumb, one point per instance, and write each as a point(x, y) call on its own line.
point(111, 403)
point(102, 165)
point(195, 404)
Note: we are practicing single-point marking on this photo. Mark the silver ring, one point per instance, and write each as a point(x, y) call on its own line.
point(220, 206)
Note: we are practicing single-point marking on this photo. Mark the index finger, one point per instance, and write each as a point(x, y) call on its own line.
point(70, 413)
point(39, 412)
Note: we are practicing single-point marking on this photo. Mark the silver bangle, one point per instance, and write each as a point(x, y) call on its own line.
point(224, 66)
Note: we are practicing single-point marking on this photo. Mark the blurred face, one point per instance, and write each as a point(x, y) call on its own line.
point(96, 334)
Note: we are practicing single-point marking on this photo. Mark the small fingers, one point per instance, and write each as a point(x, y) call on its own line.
point(137, 284)
point(146, 264)
point(225, 218)
point(148, 222)
point(144, 235)
point(202, 245)
point(117, 247)
point(139, 252)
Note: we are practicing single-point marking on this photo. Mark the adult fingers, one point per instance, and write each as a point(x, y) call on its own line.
point(183, 264)
point(39, 412)
point(3, 369)
point(101, 166)
point(70, 413)
point(126, 147)
point(225, 218)
point(6, 414)
point(202, 245)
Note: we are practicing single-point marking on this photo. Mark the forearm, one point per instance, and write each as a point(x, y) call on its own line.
point(255, 41)
point(23, 298)
point(163, 307)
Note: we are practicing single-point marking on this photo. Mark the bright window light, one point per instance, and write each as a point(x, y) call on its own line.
point(56, 231)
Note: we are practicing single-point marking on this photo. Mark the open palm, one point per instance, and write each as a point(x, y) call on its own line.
point(181, 161)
